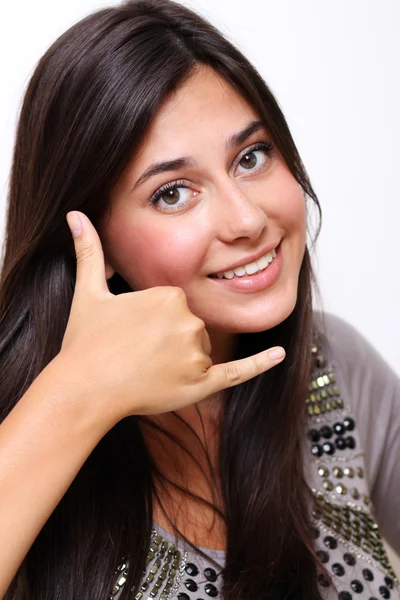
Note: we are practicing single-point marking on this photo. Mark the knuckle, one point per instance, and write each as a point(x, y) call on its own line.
point(171, 293)
point(157, 292)
point(198, 324)
point(191, 328)
point(199, 366)
point(259, 364)
point(178, 293)
point(233, 372)
point(199, 359)
point(207, 342)
point(84, 252)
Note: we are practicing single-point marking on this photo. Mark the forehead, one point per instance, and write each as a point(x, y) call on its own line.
point(205, 104)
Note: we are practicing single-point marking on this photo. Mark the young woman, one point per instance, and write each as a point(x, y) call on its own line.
point(177, 419)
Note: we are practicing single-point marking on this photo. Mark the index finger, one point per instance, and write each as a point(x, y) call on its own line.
point(90, 267)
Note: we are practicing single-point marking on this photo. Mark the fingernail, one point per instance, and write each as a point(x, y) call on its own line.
point(276, 353)
point(75, 223)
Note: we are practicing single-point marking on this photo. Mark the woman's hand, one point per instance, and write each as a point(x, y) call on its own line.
point(140, 352)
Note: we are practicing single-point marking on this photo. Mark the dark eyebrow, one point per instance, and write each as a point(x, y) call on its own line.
point(238, 138)
point(186, 161)
point(162, 167)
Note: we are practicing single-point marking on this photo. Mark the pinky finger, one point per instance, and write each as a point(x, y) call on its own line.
point(232, 373)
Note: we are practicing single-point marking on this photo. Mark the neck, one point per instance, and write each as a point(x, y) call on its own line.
point(200, 475)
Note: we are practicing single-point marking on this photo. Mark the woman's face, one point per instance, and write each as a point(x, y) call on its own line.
point(231, 202)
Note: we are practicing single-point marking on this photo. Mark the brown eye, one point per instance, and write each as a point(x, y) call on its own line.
point(256, 157)
point(248, 161)
point(171, 196)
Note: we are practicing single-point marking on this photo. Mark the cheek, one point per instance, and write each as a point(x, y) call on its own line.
point(158, 252)
point(285, 203)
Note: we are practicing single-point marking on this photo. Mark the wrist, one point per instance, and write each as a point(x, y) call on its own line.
point(64, 387)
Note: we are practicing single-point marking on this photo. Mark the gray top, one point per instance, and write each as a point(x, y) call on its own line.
point(352, 464)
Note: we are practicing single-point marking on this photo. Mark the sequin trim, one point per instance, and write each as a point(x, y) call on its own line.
point(164, 560)
point(355, 528)
point(324, 394)
point(351, 524)
point(340, 459)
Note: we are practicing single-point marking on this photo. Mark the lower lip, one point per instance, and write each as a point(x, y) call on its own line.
point(258, 281)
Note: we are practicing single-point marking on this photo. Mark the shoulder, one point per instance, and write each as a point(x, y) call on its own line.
point(341, 340)
point(368, 385)
point(369, 391)
point(352, 353)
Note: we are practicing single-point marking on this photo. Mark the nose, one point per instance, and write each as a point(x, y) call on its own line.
point(239, 214)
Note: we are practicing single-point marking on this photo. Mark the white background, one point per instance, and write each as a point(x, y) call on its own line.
point(334, 69)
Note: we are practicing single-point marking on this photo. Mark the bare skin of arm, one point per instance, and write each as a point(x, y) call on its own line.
point(44, 441)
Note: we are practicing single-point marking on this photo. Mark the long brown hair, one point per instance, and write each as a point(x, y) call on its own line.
point(85, 112)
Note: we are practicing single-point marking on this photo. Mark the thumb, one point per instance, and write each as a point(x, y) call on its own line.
point(225, 375)
point(90, 267)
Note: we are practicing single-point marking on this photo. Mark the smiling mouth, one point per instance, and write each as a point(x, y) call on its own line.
point(249, 269)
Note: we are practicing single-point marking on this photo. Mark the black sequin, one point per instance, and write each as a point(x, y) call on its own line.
point(322, 580)
point(210, 574)
point(339, 428)
point(340, 443)
point(211, 590)
point(330, 542)
point(384, 592)
point(345, 596)
point(326, 432)
point(349, 423)
point(191, 585)
point(338, 569)
point(316, 450)
point(328, 448)
point(183, 596)
point(368, 575)
point(357, 586)
point(323, 556)
point(313, 435)
point(389, 582)
point(191, 569)
point(349, 559)
point(350, 442)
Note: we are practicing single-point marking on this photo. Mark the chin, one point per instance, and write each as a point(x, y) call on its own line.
point(262, 319)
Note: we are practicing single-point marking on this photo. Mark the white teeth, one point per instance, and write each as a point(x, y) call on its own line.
point(239, 271)
point(263, 262)
point(251, 268)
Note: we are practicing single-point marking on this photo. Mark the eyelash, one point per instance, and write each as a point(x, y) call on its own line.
point(267, 146)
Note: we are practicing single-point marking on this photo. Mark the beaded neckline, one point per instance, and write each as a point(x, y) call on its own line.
point(168, 564)
point(342, 513)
